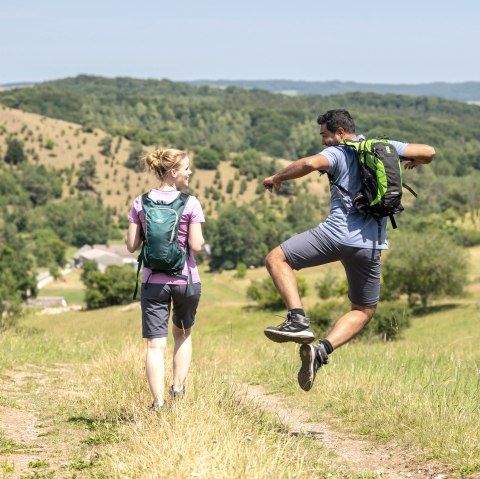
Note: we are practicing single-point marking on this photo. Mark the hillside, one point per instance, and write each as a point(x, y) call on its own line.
point(117, 185)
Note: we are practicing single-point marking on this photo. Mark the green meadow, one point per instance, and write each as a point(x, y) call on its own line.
point(83, 377)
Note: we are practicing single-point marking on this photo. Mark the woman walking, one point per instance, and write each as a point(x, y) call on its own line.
point(161, 290)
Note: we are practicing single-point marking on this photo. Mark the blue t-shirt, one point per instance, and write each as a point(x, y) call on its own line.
point(348, 226)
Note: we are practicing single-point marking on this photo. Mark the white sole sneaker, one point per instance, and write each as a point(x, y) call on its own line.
point(303, 337)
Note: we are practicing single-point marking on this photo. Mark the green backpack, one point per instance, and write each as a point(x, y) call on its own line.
point(380, 194)
point(161, 251)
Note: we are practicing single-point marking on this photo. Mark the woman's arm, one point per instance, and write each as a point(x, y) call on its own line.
point(195, 237)
point(132, 238)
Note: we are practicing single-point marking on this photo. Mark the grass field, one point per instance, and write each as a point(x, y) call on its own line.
point(421, 391)
point(69, 287)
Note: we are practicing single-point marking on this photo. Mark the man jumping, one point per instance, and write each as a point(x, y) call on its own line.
point(346, 235)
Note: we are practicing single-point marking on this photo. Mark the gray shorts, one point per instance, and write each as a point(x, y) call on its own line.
point(156, 301)
point(362, 265)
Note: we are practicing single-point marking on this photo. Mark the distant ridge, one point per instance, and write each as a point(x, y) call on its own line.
point(462, 91)
point(466, 91)
point(7, 86)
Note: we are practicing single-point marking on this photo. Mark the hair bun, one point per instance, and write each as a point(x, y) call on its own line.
point(154, 159)
point(162, 160)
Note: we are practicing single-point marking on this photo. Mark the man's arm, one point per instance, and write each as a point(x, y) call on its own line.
point(297, 169)
point(418, 154)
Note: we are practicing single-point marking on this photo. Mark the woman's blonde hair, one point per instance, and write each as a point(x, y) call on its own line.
point(162, 161)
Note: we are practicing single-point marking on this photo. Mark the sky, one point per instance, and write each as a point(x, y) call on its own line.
point(369, 41)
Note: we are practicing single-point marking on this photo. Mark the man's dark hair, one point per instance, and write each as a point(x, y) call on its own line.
point(335, 119)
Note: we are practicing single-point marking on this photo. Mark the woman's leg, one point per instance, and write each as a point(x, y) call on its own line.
point(155, 367)
point(182, 355)
point(185, 303)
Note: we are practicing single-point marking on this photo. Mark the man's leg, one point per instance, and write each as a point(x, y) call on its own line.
point(350, 324)
point(297, 325)
point(314, 357)
point(155, 368)
point(284, 278)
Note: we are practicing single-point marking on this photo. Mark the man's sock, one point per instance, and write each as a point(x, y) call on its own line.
point(299, 311)
point(328, 345)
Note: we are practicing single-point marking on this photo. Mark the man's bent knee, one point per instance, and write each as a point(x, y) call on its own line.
point(369, 311)
point(274, 257)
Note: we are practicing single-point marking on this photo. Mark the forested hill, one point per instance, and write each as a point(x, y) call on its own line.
point(235, 119)
point(68, 184)
point(466, 91)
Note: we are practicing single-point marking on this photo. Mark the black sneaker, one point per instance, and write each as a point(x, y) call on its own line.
point(295, 328)
point(176, 395)
point(313, 358)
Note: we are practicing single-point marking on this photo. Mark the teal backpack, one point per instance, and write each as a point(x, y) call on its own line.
point(161, 251)
point(381, 192)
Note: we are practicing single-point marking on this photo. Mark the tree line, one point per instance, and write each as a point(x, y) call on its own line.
point(233, 119)
point(240, 126)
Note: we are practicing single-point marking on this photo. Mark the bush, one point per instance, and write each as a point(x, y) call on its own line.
point(206, 159)
point(266, 295)
point(326, 287)
point(15, 154)
point(390, 319)
point(135, 161)
point(14, 287)
point(241, 271)
point(236, 237)
point(111, 288)
point(323, 315)
point(251, 164)
point(424, 265)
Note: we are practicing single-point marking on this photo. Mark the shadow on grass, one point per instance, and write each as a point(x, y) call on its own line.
point(102, 432)
point(90, 423)
point(253, 308)
point(421, 311)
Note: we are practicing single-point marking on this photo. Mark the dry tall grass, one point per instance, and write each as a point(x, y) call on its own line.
point(213, 432)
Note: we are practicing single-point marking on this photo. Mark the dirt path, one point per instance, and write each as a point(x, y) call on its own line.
point(355, 453)
point(33, 443)
point(35, 440)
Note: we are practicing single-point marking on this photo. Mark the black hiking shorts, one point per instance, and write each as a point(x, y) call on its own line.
point(362, 265)
point(157, 300)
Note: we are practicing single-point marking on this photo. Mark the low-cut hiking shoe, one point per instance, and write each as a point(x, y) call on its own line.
point(157, 407)
point(313, 357)
point(176, 395)
point(295, 328)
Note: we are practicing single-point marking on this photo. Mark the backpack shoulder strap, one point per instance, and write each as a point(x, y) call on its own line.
point(184, 197)
point(144, 198)
point(143, 236)
point(356, 145)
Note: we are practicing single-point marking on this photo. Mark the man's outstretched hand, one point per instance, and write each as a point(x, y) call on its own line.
point(272, 184)
point(410, 164)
